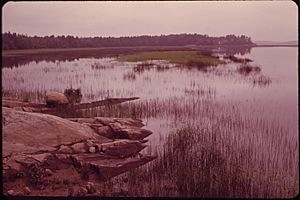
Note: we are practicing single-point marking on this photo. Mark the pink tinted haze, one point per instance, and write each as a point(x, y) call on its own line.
point(261, 20)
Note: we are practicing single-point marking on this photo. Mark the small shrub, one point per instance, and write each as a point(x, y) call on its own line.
point(238, 60)
point(246, 69)
point(73, 95)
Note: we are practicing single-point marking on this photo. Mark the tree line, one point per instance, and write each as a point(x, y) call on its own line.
point(12, 41)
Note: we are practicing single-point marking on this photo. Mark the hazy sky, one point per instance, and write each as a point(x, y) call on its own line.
point(261, 20)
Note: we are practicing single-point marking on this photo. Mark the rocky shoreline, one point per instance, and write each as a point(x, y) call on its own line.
point(45, 155)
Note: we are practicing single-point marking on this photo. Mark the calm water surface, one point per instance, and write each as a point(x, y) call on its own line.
point(217, 133)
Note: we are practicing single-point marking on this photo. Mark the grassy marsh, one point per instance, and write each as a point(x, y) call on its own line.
point(212, 150)
point(189, 58)
point(215, 134)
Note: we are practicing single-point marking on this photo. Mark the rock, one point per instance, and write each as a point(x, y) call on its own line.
point(65, 149)
point(66, 182)
point(79, 148)
point(82, 192)
point(55, 98)
point(138, 133)
point(83, 120)
point(112, 166)
point(48, 172)
point(52, 143)
point(89, 143)
point(105, 120)
point(19, 193)
point(18, 108)
point(116, 128)
point(57, 102)
point(105, 131)
point(26, 190)
point(125, 179)
point(70, 191)
point(120, 193)
point(144, 141)
point(90, 188)
point(130, 122)
point(122, 148)
point(129, 132)
point(40, 157)
point(10, 192)
point(92, 149)
point(12, 103)
point(34, 132)
point(27, 109)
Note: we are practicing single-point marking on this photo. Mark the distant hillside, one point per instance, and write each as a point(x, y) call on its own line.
point(12, 41)
point(276, 43)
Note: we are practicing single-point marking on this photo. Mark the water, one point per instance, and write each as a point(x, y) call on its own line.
point(217, 133)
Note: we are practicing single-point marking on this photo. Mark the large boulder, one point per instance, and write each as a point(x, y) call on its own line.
point(56, 99)
point(35, 144)
point(122, 148)
point(27, 132)
point(116, 128)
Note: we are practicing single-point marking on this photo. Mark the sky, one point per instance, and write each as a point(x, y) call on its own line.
point(261, 20)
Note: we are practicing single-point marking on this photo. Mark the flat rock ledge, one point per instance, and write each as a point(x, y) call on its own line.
point(45, 155)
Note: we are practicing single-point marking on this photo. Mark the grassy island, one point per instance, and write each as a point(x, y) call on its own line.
point(188, 58)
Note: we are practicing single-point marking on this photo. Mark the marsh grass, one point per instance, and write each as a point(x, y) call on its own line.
point(99, 66)
point(26, 96)
point(246, 69)
point(238, 60)
point(130, 76)
point(189, 58)
point(142, 67)
point(215, 150)
point(261, 80)
point(73, 95)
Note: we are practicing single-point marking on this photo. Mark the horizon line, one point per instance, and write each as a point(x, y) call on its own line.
point(162, 34)
point(155, 35)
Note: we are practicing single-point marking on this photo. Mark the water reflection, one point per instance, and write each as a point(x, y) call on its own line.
point(217, 134)
point(234, 50)
point(215, 150)
point(20, 60)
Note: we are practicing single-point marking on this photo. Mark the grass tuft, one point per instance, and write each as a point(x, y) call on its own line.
point(246, 69)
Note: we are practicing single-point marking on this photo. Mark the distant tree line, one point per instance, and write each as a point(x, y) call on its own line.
point(12, 41)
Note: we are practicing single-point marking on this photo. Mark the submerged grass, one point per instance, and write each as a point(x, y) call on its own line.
point(188, 58)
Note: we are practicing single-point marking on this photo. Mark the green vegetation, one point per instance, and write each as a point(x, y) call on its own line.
point(205, 153)
point(73, 95)
point(188, 58)
point(18, 41)
point(246, 69)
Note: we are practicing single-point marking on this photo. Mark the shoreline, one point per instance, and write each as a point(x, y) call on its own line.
point(25, 52)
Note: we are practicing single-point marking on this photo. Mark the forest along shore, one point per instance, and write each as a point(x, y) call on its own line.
point(48, 155)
